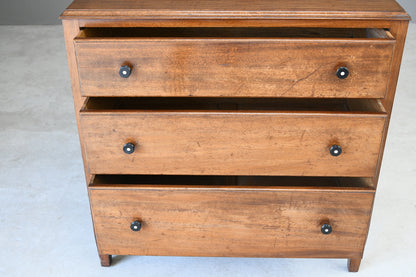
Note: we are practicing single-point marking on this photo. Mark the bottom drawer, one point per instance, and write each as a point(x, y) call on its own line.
point(231, 216)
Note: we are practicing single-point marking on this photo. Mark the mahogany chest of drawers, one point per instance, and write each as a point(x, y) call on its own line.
point(233, 128)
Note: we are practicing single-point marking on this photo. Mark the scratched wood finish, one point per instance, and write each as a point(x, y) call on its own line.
point(240, 13)
point(220, 9)
point(231, 67)
point(232, 143)
point(229, 221)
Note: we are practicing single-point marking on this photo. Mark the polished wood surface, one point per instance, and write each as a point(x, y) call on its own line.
point(209, 136)
point(228, 221)
point(229, 9)
point(399, 30)
point(234, 67)
point(317, 23)
point(234, 143)
point(71, 29)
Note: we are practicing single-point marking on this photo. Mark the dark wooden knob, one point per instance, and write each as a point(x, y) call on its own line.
point(343, 72)
point(136, 226)
point(335, 150)
point(326, 229)
point(128, 148)
point(125, 71)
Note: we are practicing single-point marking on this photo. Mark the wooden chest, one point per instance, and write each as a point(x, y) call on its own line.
point(233, 128)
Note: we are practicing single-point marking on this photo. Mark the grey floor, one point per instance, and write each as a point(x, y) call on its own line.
point(45, 225)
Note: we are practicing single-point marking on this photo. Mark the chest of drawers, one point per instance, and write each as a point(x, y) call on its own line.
point(233, 128)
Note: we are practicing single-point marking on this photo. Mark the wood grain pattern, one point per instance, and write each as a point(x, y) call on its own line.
point(322, 23)
point(214, 221)
point(399, 30)
point(226, 9)
point(71, 29)
point(247, 67)
point(211, 215)
point(232, 143)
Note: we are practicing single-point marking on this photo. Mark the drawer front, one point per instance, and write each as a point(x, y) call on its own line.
point(227, 221)
point(235, 67)
point(232, 143)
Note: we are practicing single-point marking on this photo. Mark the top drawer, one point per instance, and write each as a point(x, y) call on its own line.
point(234, 62)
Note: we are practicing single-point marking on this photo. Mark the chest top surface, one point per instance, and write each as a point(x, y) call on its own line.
point(236, 9)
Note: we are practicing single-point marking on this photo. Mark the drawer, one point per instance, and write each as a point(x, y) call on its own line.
point(239, 137)
point(206, 216)
point(234, 62)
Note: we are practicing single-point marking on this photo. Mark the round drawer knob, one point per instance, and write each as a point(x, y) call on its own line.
point(125, 71)
point(128, 148)
point(136, 226)
point(343, 72)
point(335, 150)
point(326, 229)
